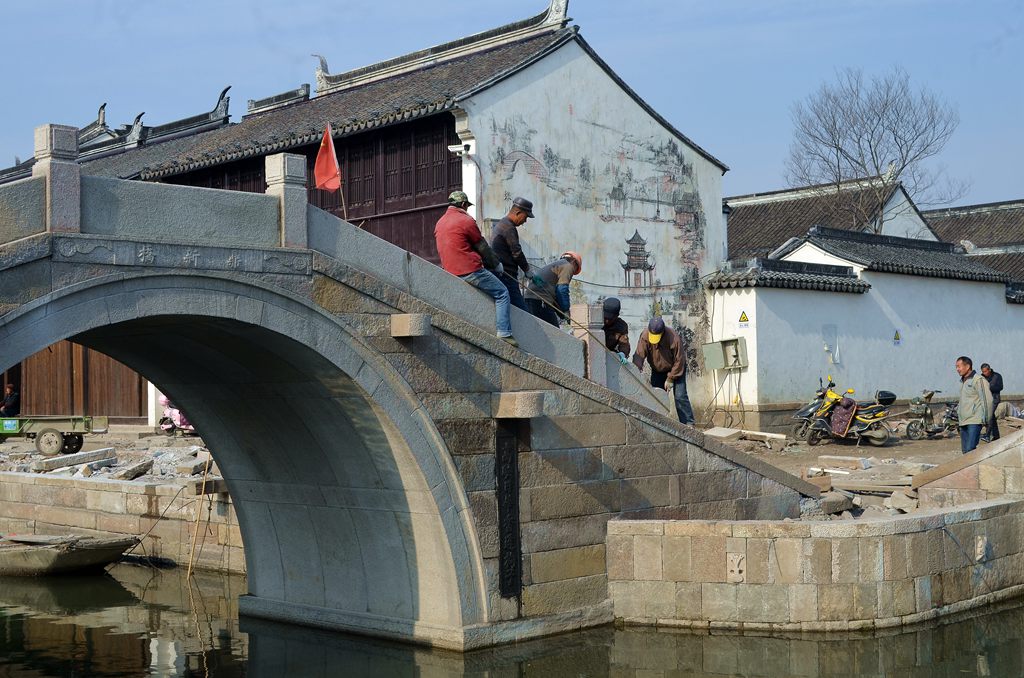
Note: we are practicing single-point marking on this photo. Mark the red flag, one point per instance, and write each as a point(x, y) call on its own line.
point(326, 171)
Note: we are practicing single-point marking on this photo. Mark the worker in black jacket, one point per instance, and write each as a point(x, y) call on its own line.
point(505, 244)
point(995, 385)
point(11, 404)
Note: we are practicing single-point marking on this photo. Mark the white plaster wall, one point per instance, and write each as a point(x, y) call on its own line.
point(597, 168)
point(726, 308)
point(902, 220)
point(811, 254)
point(937, 319)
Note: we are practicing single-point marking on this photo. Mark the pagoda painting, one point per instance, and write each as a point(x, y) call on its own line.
point(638, 269)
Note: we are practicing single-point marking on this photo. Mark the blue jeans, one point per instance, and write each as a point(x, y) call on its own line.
point(488, 283)
point(970, 434)
point(683, 409)
point(515, 296)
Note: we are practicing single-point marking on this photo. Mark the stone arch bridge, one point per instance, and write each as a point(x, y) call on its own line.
point(397, 470)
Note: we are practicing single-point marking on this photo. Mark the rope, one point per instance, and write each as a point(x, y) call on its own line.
point(199, 515)
point(600, 342)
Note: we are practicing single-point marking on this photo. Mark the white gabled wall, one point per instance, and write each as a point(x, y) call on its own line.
point(903, 220)
point(598, 167)
point(811, 254)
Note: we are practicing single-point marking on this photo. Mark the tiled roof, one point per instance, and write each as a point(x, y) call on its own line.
point(1010, 263)
point(789, 275)
point(987, 225)
point(890, 254)
point(403, 97)
point(760, 223)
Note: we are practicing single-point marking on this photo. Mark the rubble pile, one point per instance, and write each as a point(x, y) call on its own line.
point(148, 459)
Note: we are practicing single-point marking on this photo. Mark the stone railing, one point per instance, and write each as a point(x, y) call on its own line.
point(815, 576)
point(22, 209)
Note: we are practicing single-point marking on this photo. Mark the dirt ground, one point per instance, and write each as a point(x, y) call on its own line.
point(797, 456)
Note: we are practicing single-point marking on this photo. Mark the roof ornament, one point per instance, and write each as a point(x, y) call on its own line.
point(557, 12)
point(322, 71)
point(134, 135)
point(221, 109)
point(101, 115)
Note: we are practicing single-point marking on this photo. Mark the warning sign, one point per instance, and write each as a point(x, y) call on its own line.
point(744, 320)
point(897, 339)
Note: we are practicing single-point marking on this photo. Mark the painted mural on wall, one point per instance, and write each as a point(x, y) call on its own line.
point(634, 189)
point(641, 180)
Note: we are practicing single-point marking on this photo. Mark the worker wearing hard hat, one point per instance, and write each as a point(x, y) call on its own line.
point(664, 351)
point(549, 287)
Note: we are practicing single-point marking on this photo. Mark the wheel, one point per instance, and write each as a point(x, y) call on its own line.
point(73, 443)
point(915, 431)
point(814, 437)
point(879, 436)
point(799, 430)
point(49, 442)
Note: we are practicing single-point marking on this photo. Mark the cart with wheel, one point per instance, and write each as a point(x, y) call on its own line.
point(53, 434)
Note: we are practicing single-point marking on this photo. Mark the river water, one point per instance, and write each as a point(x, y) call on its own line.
point(136, 621)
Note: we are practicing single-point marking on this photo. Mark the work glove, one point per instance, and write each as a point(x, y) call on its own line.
point(669, 384)
point(537, 280)
point(622, 358)
point(499, 270)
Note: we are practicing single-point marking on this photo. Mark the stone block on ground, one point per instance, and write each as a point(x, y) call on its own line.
point(72, 459)
point(836, 461)
point(900, 501)
point(722, 433)
point(835, 502)
point(93, 466)
point(133, 471)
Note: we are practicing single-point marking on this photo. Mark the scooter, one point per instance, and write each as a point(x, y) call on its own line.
point(819, 408)
point(867, 422)
point(922, 424)
point(174, 420)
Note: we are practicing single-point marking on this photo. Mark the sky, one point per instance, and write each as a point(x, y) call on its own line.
point(724, 72)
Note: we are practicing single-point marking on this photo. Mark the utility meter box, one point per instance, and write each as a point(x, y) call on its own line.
point(727, 354)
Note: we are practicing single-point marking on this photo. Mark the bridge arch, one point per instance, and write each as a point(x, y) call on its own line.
point(351, 510)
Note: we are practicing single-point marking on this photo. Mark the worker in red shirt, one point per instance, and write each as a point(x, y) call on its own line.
point(466, 254)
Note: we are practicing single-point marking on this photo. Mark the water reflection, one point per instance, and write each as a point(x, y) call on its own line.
point(140, 622)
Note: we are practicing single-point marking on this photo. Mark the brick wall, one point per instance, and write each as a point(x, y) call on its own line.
point(834, 575)
point(31, 503)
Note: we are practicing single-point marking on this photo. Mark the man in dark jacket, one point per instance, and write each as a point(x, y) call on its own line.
point(616, 331)
point(549, 287)
point(664, 351)
point(505, 244)
point(995, 385)
point(11, 405)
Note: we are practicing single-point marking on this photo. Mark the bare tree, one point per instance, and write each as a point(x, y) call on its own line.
point(856, 140)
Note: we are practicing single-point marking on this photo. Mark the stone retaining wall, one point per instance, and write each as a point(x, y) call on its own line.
point(31, 503)
point(815, 576)
point(992, 471)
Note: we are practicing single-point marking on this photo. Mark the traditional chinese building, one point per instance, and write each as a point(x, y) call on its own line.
point(595, 159)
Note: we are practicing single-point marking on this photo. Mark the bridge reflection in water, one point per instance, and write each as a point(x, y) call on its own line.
point(136, 621)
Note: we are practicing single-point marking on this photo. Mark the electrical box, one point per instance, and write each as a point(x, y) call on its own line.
point(728, 354)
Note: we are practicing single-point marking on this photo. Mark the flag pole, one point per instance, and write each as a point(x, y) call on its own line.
point(341, 190)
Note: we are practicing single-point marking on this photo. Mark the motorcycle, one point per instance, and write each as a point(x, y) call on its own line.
point(174, 420)
point(922, 424)
point(866, 421)
point(819, 408)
